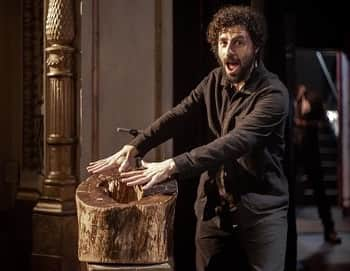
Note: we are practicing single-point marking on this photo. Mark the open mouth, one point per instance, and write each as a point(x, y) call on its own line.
point(232, 66)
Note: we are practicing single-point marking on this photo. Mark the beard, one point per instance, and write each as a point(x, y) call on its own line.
point(243, 73)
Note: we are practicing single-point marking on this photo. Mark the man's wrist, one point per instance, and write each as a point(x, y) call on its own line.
point(172, 167)
point(132, 150)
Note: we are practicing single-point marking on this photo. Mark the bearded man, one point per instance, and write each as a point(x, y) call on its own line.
point(242, 198)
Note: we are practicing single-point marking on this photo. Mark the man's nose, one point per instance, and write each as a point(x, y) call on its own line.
point(230, 49)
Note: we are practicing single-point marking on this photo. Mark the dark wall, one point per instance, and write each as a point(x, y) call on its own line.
point(10, 123)
point(322, 24)
point(10, 94)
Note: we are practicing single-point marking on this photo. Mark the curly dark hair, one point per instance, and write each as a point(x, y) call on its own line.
point(237, 15)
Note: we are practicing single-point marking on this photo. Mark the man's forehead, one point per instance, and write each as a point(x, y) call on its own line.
point(234, 30)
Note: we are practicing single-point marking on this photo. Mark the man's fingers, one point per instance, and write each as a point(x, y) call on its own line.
point(131, 173)
point(137, 181)
point(152, 174)
point(155, 179)
point(101, 167)
point(98, 168)
point(136, 177)
point(96, 162)
point(92, 166)
point(148, 185)
point(133, 177)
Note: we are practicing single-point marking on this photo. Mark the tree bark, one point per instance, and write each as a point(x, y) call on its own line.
point(120, 226)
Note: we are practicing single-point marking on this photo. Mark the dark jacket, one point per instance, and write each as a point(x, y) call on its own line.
point(247, 151)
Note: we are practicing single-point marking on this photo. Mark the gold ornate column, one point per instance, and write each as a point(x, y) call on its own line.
point(54, 217)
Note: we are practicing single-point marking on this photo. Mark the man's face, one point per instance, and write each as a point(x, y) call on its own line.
point(236, 53)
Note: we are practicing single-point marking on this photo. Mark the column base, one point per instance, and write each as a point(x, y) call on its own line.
point(55, 239)
point(118, 267)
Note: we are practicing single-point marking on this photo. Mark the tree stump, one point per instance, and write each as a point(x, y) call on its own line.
point(119, 224)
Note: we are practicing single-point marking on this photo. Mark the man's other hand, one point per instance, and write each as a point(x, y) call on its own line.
point(150, 174)
point(123, 160)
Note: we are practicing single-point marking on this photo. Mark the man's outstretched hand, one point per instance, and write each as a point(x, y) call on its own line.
point(150, 174)
point(123, 160)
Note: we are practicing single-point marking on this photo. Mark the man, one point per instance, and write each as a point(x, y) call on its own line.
point(308, 117)
point(242, 197)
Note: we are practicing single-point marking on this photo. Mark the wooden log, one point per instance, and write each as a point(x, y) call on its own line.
point(121, 225)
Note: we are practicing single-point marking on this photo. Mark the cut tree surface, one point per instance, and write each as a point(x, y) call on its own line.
point(120, 224)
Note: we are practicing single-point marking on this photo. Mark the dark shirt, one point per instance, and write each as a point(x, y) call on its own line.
point(305, 129)
point(245, 155)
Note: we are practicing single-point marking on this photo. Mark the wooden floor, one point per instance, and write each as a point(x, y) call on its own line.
point(313, 253)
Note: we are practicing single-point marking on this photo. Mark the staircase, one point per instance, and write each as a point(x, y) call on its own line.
point(328, 150)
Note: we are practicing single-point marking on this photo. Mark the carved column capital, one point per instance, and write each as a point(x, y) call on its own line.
point(59, 60)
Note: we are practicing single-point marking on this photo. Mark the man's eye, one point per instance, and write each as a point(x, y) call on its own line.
point(223, 43)
point(239, 42)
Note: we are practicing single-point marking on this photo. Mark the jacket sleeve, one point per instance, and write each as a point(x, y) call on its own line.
point(270, 111)
point(168, 124)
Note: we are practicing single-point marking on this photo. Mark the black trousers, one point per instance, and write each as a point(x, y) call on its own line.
point(308, 158)
point(242, 241)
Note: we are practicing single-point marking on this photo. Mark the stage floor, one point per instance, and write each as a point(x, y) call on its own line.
point(313, 253)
